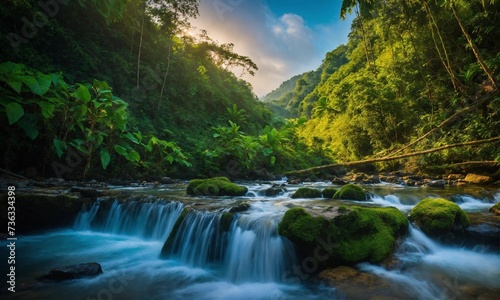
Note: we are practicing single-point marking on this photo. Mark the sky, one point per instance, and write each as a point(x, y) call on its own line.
point(284, 38)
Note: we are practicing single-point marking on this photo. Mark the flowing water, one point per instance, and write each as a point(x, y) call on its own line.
point(245, 259)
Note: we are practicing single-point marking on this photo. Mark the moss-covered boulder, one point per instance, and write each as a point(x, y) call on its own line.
point(437, 216)
point(226, 220)
point(306, 193)
point(329, 192)
point(358, 234)
point(217, 186)
point(496, 209)
point(351, 192)
point(243, 206)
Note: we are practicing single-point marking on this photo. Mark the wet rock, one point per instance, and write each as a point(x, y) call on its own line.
point(436, 183)
point(293, 181)
point(496, 209)
point(307, 193)
point(478, 179)
point(73, 272)
point(275, 191)
point(438, 216)
point(87, 192)
point(359, 177)
point(351, 192)
point(456, 176)
point(166, 180)
point(328, 192)
point(217, 186)
point(243, 206)
point(371, 179)
point(339, 181)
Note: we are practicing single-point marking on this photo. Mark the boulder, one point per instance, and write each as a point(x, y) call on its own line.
point(437, 183)
point(275, 191)
point(328, 192)
point(496, 209)
point(357, 234)
point(243, 206)
point(166, 180)
point(306, 193)
point(339, 181)
point(217, 186)
point(73, 272)
point(351, 192)
point(438, 216)
point(478, 179)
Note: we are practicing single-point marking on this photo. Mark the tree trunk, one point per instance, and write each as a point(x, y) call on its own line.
point(479, 58)
point(140, 46)
point(164, 78)
point(369, 161)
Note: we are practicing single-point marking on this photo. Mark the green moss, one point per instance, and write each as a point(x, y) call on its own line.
point(367, 234)
point(226, 220)
point(438, 215)
point(495, 209)
point(300, 227)
point(329, 192)
point(217, 186)
point(358, 234)
point(307, 193)
point(351, 192)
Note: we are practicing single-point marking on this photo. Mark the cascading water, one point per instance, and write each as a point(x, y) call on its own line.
point(149, 220)
point(256, 252)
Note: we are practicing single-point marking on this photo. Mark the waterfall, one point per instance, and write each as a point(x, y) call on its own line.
point(149, 220)
point(199, 240)
point(249, 250)
point(256, 252)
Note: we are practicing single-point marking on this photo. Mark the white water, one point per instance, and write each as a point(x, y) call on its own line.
point(247, 262)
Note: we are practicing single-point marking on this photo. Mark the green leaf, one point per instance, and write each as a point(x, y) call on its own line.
point(133, 156)
point(55, 79)
point(105, 158)
point(120, 150)
point(170, 158)
point(44, 83)
point(14, 112)
point(60, 146)
point(267, 151)
point(47, 109)
point(15, 85)
point(273, 160)
point(83, 93)
point(131, 138)
point(32, 83)
point(29, 127)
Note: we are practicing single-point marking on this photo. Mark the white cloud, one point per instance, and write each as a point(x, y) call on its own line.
point(281, 46)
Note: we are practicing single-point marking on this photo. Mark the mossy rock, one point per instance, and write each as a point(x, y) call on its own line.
point(496, 209)
point(226, 220)
point(329, 192)
point(217, 186)
point(243, 206)
point(300, 227)
point(351, 192)
point(437, 216)
point(307, 193)
point(358, 234)
point(171, 237)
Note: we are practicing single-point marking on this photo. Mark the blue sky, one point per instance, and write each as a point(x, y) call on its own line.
point(284, 38)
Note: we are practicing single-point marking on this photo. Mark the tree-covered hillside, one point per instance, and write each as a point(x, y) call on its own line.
point(182, 111)
point(407, 68)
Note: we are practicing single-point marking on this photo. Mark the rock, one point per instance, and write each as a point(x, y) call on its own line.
point(226, 220)
point(437, 216)
point(455, 176)
point(328, 192)
point(243, 206)
point(275, 191)
point(410, 182)
point(351, 192)
point(293, 181)
point(437, 183)
point(339, 181)
point(357, 234)
point(496, 209)
point(166, 180)
point(371, 179)
point(478, 179)
point(87, 192)
point(358, 177)
point(73, 272)
point(217, 186)
point(306, 193)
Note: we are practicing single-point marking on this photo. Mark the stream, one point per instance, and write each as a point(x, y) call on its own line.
point(249, 260)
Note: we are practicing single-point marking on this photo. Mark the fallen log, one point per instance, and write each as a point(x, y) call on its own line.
point(388, 158)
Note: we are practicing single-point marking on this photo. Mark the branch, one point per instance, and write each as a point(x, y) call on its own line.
point(388, 158)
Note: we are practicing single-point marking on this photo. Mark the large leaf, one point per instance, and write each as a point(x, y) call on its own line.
point(44, 83)
point(131, 138)
point(120, 150)
point(105, 158)
point(133, 156)
point(15, 85)
point(60, 146)
point(14, 112)
point(83, 93)
point(29, 127)
point(32, 83)
point(47, 109)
